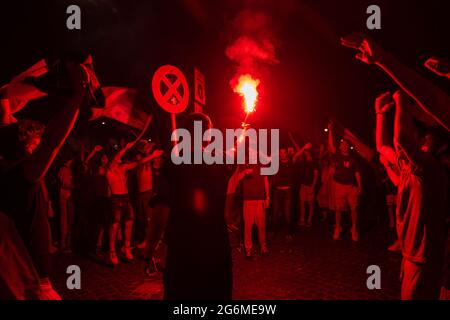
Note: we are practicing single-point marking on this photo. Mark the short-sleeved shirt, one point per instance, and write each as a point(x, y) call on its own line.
point(345, 168)
point(253, 185)
point(421, 209)
point(285, 176)
point(307, 169)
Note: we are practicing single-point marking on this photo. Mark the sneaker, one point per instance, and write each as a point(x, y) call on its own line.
point(150, 268)
point(126, 253)
point(46, 291)
point(301, 223)
point(337, 233)
point(395, 247)
point(355, 235)
point(309, 224)
point(113, 259)
point(248, 255)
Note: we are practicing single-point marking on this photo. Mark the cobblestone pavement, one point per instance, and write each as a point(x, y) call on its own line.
point(311, 266)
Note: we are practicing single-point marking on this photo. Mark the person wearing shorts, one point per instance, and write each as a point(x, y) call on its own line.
point(347, 184)
point(309, 174)
point(120, 202)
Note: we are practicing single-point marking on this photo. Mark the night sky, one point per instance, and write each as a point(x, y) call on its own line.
point(315, 79)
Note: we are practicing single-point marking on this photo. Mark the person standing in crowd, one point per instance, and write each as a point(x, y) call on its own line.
point(256, 200)
point(21, 187)
point(347, 183)
point(198, 263)
point(282, 185)
point(102, 201)
point(120, 201)
point(144, 193)
point(430, 98)
point(158, 216)
point(421, 204)
point(66, 206)
point(325, 195)
point(309, 172)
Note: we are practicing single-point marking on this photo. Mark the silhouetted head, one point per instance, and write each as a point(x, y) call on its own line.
point(29, 133)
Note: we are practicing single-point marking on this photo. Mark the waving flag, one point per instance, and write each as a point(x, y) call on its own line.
point(120, 106)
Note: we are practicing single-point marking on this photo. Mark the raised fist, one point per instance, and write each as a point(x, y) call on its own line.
point(369, 51)
point(439, 66)
point(384, 103)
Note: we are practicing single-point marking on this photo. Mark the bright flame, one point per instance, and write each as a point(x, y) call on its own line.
point(247, 87)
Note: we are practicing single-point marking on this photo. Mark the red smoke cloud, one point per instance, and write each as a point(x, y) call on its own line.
point(253, 43)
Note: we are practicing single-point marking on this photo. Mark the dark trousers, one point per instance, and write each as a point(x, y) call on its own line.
point(156, 226)
point(282, 210)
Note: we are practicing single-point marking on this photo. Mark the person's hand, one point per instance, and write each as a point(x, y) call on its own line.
point(98, 148)
point(308, 146)
point(129, 145)
point(157, 153)
point(384, 103)
point(400, 97)
point(266, 202)
point(369, 51)
point(439, 66)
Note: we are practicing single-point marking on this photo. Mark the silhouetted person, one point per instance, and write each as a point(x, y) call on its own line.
point(198, 265)
point(421, 203)
point(22, 192)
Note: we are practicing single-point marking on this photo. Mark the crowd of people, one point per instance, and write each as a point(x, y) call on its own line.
point(126, 202)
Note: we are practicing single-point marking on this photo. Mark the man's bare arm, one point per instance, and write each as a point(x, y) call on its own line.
point(404, 130)
point(383, 105)
point(57, 131)
point(331, 147)
point(429, 97)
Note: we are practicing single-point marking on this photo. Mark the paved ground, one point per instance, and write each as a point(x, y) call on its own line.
point(312, 266)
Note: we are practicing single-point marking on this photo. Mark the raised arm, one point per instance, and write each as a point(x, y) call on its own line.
point(296, 146)
point(92, 154)
point(58, 129)
point(301, 150)
point(132, 165)
point(331, 146)
point(383, 105)
point(404, 130)
point(429, 97)
point(364, 150)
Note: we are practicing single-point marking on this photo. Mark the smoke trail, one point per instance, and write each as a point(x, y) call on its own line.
point(253, 45)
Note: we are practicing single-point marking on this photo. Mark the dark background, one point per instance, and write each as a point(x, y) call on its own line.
point(315, 79)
